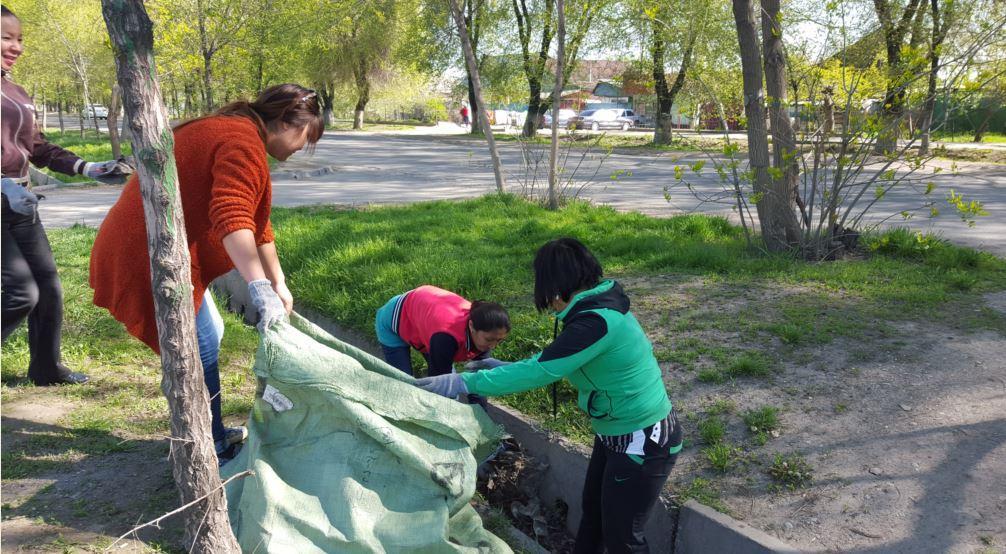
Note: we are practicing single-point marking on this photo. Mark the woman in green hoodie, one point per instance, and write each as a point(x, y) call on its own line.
point(604, 353)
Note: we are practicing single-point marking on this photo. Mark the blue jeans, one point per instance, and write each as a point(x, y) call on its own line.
point(209, 332)
point(398, 357)
point(396, 350)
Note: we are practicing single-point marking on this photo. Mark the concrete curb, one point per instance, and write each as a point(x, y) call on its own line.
point(696, 529)
point(703, 529)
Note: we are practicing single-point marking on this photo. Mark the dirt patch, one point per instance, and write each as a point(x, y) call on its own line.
point(902, 423)
point(78, 499)
point(510, 483)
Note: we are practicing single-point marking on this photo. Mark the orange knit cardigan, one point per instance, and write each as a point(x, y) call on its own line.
point(223, 177)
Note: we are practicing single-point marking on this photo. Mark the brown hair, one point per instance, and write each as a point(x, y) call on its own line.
point(287, 103)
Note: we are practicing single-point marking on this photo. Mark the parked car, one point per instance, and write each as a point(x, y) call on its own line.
point(606, 118)
point(564, 118)
point(98, 111)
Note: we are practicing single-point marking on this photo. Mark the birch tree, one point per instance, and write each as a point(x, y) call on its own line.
point(466, 46)
point(193, 457)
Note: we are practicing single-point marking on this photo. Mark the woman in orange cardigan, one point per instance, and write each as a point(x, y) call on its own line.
point(226, 191)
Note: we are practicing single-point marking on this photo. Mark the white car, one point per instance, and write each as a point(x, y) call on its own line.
point(606, 118)
point(98, 111)
point(564, 118)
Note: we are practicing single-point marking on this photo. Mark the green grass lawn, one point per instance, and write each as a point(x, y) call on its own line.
point(347, 263)
point(92, 148)
point(347, 125)
point(123, 401)
point(625, 143)
point(989, 138)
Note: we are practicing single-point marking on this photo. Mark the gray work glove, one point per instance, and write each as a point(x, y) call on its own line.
point(21, 200)
point(449, 384)
point(485, 363)
point(270, 307)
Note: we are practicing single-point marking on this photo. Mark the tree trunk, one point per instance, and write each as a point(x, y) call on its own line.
point(941, 23)
point(784, 151)
point(207, 82)
point(193, 458)
point(534, 69)
point(113, 118)
point(82, 117)
point(59, 114)
point(473, 106)
point(926, 118)
point(533, 120)
point(553, 194)
point(326, 93)
point(190, 98)
point(483, 117)
point(473, 36)
point(173, 110)
point(665, 97)
point(662, 131)
point(894, 97)
point(45, 113)
point(983, 127)
point(828, 106)
point(206, 49)
point(767, 201)
point(362, 93)
point(87, 106)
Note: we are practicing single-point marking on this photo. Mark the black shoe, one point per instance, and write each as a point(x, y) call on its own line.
point(70, 378)
point(228, 453)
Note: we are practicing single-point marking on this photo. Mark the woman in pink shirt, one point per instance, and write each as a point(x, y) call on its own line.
point(443, 326)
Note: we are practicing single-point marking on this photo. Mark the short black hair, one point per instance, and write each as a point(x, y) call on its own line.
point(5, 11)
point(489, 316)
point(562, 267)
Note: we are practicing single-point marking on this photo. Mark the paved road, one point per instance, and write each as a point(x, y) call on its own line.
point(361, 168)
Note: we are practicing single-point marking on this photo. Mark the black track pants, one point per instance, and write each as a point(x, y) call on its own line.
point(31, 289)
point(619, 493)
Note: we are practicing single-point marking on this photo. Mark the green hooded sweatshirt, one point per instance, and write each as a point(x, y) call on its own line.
point(604, 353)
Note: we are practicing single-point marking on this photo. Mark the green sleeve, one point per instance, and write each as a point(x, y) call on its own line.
point(578, 343)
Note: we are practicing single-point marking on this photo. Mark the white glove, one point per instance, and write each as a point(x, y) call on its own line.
point(270, 307)
point(485, 363)
point(21, 200)
point(94, 170)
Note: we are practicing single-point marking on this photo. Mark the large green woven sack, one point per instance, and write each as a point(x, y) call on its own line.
point(348, 456)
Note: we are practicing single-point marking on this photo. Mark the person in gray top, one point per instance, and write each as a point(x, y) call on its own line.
point(31, 287)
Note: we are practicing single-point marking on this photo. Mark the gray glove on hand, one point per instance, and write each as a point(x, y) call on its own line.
point(449, 384)
point(21, 200)
point(485, 363)
point(270, 307)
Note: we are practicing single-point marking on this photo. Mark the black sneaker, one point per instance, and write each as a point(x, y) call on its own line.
point(70, 378)
point(228, 453)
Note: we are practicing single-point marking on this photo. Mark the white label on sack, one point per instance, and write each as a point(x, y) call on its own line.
point(276, 399)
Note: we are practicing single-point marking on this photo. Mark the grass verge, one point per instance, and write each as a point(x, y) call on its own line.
point(123, 402)
point(347, 262)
